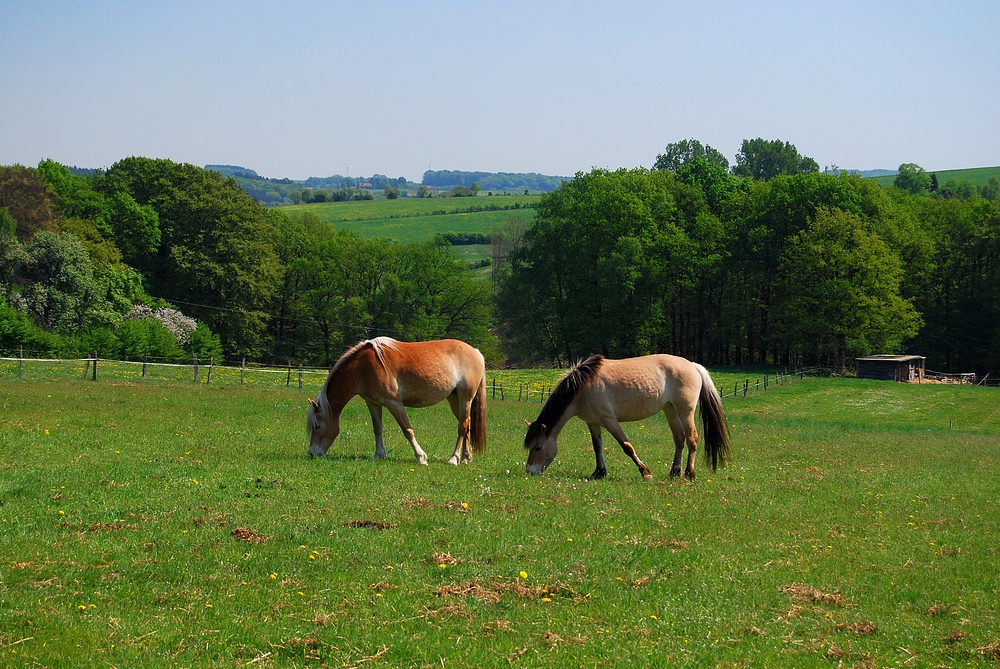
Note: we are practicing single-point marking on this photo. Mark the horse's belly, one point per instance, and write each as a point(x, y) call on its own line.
point(623, 407)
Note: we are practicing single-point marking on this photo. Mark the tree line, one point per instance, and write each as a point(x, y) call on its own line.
point(768, 261)
point(109, 262)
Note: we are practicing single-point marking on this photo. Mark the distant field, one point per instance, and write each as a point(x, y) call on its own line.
point(413, 220)
point(977, 175)
point(410, 207)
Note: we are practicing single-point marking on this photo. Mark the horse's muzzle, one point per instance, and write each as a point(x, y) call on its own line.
point(534, 469)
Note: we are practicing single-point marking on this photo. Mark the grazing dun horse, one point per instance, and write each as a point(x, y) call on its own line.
point(394, 374)
point(605, 393)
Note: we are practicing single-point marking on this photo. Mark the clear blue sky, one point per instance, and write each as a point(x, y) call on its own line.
point(306, 88)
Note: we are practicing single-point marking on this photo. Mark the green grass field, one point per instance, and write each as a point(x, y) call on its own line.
point(162, 523)
point(364, 210)
point(414, 220)
point(977, 175)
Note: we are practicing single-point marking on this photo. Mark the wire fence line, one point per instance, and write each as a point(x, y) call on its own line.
point(94, 367)
point(527, 392)
point(299, 376)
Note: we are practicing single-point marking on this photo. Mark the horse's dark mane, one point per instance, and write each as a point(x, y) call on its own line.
point(563, 395)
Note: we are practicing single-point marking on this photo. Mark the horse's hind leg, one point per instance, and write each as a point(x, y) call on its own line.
point(399, 413)
point(463, 450)
point(683, 430)
point(616, 431)
point(677, 432)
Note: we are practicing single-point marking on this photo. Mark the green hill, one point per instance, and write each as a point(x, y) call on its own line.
point(980, 176)
point(413, 219)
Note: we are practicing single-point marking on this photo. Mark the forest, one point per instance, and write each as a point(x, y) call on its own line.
point(770, 262)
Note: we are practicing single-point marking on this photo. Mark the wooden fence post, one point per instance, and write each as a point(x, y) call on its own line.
point(300, 376)
point(20, 361)
point(243, 369)
point(211, 363)
point(95, 367)
point(746, 387)
point(145, 358)
point(196, 368)
point(288, 379)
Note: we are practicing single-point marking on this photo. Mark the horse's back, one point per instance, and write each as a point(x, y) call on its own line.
point(427, 372)
point(636, 388)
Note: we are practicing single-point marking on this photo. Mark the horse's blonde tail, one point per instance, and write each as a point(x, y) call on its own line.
point(477, 428)
point(715, 427)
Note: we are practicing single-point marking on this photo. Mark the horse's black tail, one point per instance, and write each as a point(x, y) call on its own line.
point(477, 419)
point(715, 427)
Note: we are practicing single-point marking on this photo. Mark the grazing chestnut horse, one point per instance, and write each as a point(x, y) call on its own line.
point(606, 392)
point(394, 374)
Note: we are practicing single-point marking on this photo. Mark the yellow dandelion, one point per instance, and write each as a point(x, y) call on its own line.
point(654, 617)
point(524, 574)
point(546, 599)
point(274, 575)
point(82, 607)
point(443, 565)
point(46, 431)
point(61, 512)
point(465, 505)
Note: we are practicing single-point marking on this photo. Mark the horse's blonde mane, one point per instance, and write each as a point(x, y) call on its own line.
point(379, 346)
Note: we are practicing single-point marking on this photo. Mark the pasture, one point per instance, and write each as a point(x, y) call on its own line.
point(977, 175)
point(172, 524)
point(415, 220)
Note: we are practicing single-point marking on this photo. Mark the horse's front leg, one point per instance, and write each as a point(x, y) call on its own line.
point(595, 437)
point(399, 413)
point(376, 411)
point(616, 431)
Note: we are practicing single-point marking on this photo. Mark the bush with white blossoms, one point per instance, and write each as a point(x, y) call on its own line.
point(176, 323)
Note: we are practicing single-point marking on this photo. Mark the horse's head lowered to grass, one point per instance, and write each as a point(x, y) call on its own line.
point(322, 426)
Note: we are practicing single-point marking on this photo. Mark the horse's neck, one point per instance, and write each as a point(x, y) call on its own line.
point(570, 411)
point(340, 389)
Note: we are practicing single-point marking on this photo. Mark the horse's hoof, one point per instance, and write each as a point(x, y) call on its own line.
point(599, 474)
point(648, 477)
point(453, 461)
point(674, 473)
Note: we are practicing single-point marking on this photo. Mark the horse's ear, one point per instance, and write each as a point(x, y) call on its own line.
point(527, 422)
point(314, 404)
point(545, 430)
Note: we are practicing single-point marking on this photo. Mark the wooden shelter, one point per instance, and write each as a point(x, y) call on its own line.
point(903, 368)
